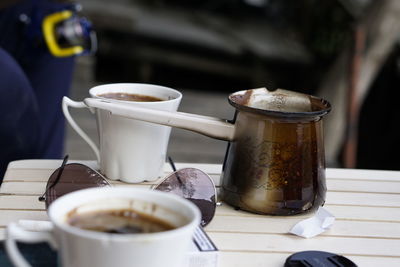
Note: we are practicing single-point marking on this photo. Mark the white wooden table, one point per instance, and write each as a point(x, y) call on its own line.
point(366, 205)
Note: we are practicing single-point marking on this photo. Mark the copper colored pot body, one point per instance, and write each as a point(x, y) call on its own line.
point(276, 163)
point(275, 166)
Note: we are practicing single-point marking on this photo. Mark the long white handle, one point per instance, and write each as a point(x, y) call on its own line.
point(16, 233)
point(67, 102)
point(209, 126)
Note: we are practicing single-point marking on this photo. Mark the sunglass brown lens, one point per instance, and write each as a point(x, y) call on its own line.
point(196, 186)
point(74, 177)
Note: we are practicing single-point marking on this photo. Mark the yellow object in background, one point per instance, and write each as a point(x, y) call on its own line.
point(49, 30)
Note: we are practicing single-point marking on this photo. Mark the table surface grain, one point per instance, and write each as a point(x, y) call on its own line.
point(366, 204)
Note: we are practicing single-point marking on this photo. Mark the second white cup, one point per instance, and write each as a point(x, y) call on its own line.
point(130, 150)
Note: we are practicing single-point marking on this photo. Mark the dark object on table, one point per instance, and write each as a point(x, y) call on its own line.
point(38, 255)
point(314, 258)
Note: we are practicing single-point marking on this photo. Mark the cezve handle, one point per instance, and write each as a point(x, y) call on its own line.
point(209, 126)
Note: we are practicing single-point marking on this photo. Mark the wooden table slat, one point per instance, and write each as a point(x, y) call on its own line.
point(8, 216)
point(363, 199)
point(274, 242)
point(364, 186)
point(359, 174)
point(276, 226)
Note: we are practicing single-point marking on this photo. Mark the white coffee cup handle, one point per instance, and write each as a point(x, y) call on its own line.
point(16, 233)
point(67, 102)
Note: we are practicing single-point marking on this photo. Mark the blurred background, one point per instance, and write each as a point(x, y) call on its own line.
point(346, 51)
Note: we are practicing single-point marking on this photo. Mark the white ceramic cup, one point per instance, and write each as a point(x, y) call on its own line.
point(82, 248)
point(132, 151)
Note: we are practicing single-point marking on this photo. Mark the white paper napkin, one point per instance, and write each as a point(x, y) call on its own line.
point(319, 223)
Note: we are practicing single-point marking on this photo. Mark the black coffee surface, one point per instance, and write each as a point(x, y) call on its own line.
point(131, 97)
point(123, 221)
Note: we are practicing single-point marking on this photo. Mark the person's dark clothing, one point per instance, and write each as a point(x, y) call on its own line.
point(32, 84)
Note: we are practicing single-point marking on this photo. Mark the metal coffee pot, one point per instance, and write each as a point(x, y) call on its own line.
point(275, 161)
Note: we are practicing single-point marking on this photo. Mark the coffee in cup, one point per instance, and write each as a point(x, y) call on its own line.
point(130, 97)
point(118, 221)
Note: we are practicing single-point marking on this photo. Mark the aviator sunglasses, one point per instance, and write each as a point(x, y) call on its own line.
point(189, 183)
